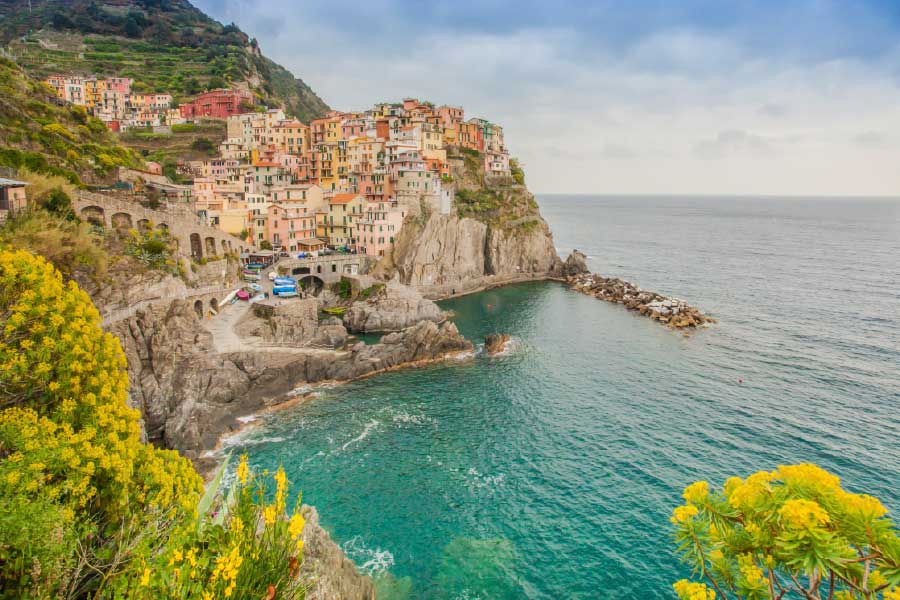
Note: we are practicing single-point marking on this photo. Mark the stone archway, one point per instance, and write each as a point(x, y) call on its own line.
point(224, 247)
point(214, 304)
point(95, 215)
point(196, 246)
point(144, 225)
point(198, 308)
point(121, 221)
point(210, 247)
point(312, 284)
point(163, 227)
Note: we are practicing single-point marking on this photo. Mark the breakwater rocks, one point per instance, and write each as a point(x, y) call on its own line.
point(672, 312)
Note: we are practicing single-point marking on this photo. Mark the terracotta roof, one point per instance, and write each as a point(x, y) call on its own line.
point(342, 198)
point(266, 163)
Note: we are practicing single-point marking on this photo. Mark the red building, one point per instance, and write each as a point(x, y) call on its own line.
point(219, 104)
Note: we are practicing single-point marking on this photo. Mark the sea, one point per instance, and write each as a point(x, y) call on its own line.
point(551, 471)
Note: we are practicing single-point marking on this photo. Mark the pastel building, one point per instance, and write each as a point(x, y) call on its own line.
point(344, 213)
point(217, 104)
point(290, 226)
point(378, 229)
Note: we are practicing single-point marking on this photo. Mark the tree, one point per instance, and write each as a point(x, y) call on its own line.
point(265, 245)
point(790, 533)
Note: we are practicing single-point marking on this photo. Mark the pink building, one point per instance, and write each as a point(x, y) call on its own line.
point(291, 227)
point(379, 227)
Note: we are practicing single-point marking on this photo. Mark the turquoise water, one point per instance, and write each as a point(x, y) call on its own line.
point(551, 472)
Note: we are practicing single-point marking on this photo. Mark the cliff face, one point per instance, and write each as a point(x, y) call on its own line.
point(494, 234)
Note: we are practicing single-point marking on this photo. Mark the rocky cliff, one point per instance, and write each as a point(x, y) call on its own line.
point(494, 234)
point(391, 307)
point(190, 395)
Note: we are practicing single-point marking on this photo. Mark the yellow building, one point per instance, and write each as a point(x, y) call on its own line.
point(93, 92)
point(344, 213)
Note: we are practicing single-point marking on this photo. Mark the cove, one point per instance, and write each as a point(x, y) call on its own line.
point(551, 472)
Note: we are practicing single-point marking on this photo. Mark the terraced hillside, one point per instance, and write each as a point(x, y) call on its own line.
point(42, 136)
point(164, 45)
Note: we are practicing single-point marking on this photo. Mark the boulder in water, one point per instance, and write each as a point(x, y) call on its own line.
point(495, 343)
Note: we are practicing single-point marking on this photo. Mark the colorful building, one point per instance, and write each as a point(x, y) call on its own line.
point(217, 104)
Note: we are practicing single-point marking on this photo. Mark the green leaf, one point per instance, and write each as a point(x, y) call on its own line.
point(209, 495)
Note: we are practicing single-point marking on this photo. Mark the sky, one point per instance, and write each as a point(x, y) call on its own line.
point(795, 97)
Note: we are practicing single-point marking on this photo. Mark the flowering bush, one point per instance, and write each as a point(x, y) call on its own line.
point(240, 547)
point(793, 532)
point(78, 489)
point(153, 247)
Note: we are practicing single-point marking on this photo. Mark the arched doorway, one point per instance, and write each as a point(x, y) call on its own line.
point(144, 225)
point(121, 221)
point(214, 305)
point(94, 215)
point(198, 308)
point(210, 247)
point(224, 247)
point(312, 284)
point(196, 246)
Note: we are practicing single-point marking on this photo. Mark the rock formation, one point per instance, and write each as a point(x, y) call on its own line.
point(673, 312)
point(576, 264)
point(391, 307)
point(190, 395)
point(331, 575)
point(494, 343)
point(295, 323)
point(493, 234)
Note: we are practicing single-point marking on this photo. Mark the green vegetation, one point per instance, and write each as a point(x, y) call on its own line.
point(790, 533)
point(183, 128)
point(88, 510)
point(188, 141)
point(370, 291)
point(516, 169)
point(265, 245)
point(344, 289)
point(153, 247)
point(71, 246)
point(39, 135)
point(164, 45)
point(335, 311)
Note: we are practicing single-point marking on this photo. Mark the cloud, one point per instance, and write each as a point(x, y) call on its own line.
point(616, 152)
point(872, 139)
point(734, 142)
point(658, 90)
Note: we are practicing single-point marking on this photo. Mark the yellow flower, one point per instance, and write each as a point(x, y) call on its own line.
point(145, 578)
point(803, 514)
point(683, 513)
point(295, 526)
point(892, 594)
point(864, 505)
point(688, 590)
point(243, 470)
point(696, 492)
point(752, 574)
point(269, 515)
point(808, 475)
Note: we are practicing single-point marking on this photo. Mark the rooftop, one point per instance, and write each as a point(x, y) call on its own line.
point(11, 183)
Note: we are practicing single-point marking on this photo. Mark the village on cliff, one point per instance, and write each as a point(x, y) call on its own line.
point(343, 182)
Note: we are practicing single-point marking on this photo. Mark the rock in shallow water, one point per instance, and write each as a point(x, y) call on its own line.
point(495, 343)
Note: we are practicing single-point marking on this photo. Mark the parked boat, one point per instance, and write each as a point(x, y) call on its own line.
point(243, 295)
point(281, 290)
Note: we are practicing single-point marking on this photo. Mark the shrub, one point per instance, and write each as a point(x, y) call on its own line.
point(793, 531)
point(60, 130)
point(265, 245)
point(240, 547)
point(153, 247)
point(75, 481)
point(183, 127)
point(69, 244)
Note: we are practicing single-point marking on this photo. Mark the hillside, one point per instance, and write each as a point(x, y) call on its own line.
point(164, 45)
point(39, 134)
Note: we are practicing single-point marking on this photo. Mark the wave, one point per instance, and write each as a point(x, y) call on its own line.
point(373, 561)
point(365, 433)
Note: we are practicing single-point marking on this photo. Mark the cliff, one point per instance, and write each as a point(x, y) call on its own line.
point(493, 235)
